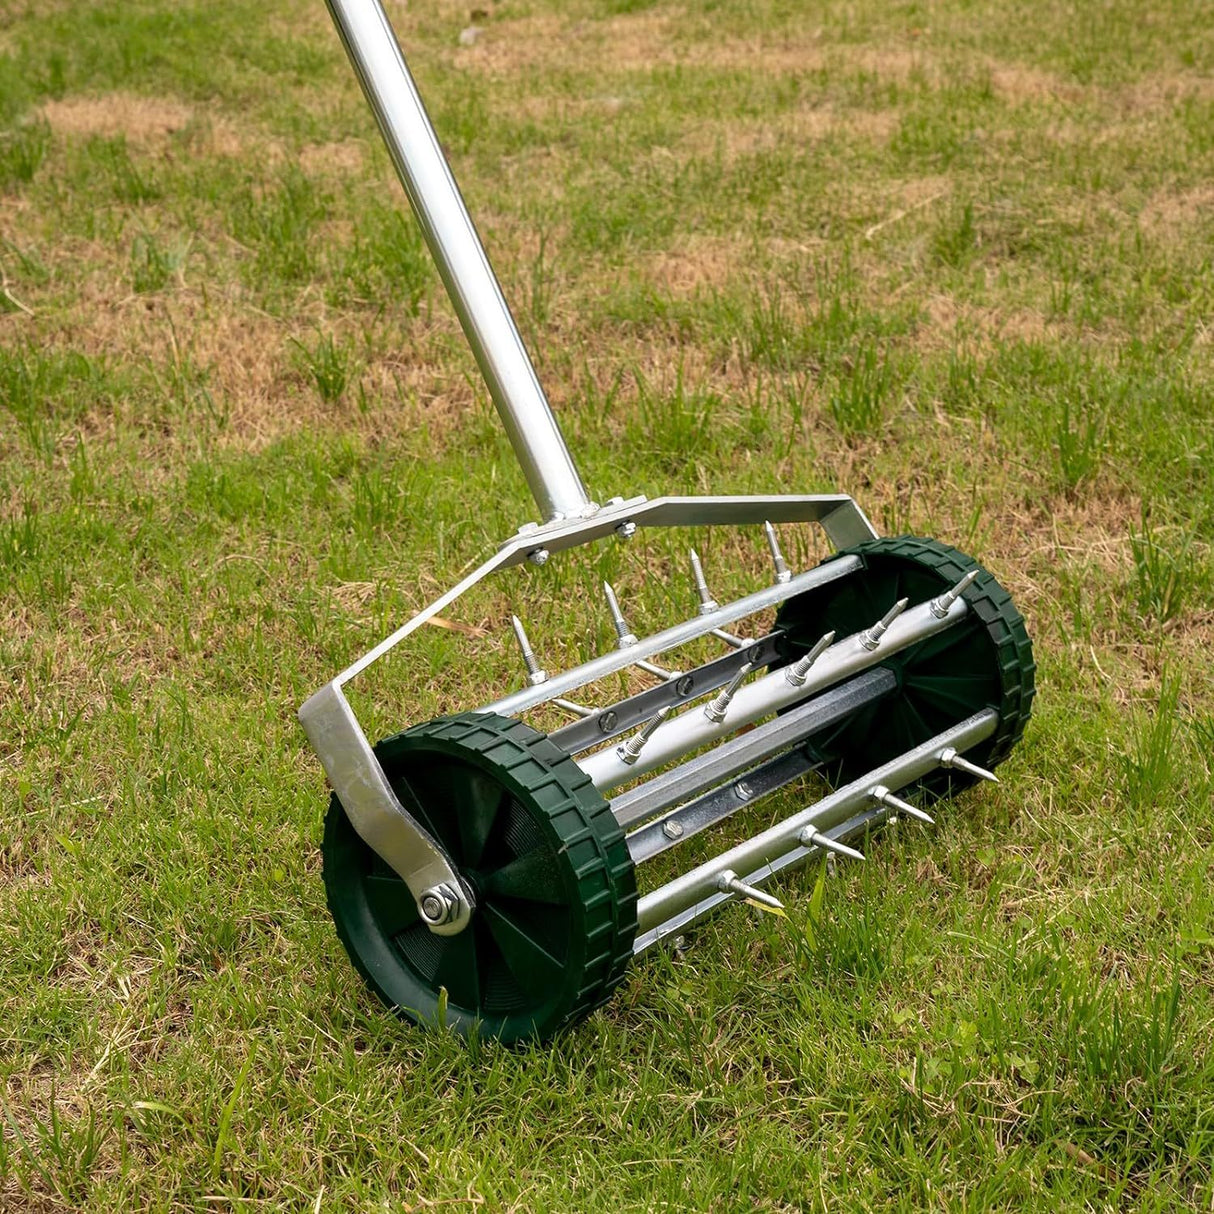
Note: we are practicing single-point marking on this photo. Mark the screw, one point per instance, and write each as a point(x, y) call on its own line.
point(607, 721)
point(626, 530)
point(537, 556)
point(673, 829)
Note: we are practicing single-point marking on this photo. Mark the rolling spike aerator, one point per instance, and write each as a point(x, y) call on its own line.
point(477, 856)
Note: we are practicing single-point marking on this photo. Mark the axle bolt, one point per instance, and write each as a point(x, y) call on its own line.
point(438, 905)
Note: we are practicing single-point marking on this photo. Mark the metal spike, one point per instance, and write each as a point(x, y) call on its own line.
point(799, 672)
point(720, 706)
point(870, 638)
point(729, 883)
point(707, 603)
point(625, 635)
point(578, 710)
point(783, 573)
point(939, 606)
point(536, 674)
point(883, 796)
point(950, 758)
point(631, 750)
point(811, 836)
point(728, 638)
point(660, 671)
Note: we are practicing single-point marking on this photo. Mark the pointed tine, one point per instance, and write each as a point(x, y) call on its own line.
point(950, 758)
point(631, 750)
point(799, 671)
point(624, 635)
point(811, 836)
point(535, 673)
point(707, 603)
point(870, 638)
point(716, 711)
point(883, 796)
point(578, 710)
point(939, 606)
point(783, 573)
point(730, 883)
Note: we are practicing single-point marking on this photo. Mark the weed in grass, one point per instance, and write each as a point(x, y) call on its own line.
point(859, 401)
point(385, 263)
point(1148, 768)
point(1080, 443)
point(277, 223)
point(1168, 570)
point(326, 362)
point(153, 264)
point(955, 240)
point(23, 148)
point(129, 182)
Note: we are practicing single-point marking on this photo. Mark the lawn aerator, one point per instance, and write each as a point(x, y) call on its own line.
point(483, 871)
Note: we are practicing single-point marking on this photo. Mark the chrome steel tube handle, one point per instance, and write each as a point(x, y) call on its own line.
point(406, 129)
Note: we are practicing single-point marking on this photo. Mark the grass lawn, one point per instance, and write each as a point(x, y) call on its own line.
point(952, 259)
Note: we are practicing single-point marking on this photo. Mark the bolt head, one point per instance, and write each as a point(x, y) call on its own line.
point(626, 530)
point(537, 556)
point(607, 721)
point(673, 830)
point(743, 790)
point(685, 685)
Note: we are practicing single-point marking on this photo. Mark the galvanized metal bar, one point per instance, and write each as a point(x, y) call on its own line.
point(622, 716)
point(680, 634)
point(724, 762)
point(679, 825)
point(753, 855)
point(861, 823)
point(691, 730)
point(513, 384)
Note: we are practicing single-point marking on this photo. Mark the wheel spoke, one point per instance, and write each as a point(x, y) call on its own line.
point(458, 971)
point(478, 800)
point(391, 903)
point(415, 804)
point(534, 877)
point(533, 966)
point(949, 692)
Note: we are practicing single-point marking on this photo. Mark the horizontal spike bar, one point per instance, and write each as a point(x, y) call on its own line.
point(950, 758)
point(536, 674)
point(707, 603)
point(671, 638)
point(850, 808)
point(766, 694)
point(883, 796)
point(870, 638)
point(811, 836)
point(783, 573)
point(799, 671)
point(730, 883)
point(939, 606)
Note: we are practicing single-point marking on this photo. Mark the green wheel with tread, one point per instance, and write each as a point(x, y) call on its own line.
point(555, 887)
point(985, 661)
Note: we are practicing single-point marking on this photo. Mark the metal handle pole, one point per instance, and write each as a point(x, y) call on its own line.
point(377, 60)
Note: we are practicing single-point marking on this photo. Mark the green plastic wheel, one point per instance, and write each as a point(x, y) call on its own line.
point(555, 887)
point(986, 661)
